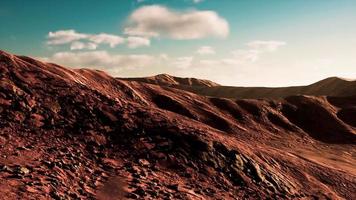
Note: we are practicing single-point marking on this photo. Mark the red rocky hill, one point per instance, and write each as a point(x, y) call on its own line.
point(332, 86)
point(81, 134)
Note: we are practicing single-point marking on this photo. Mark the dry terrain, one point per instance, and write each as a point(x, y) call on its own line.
point(82, 134)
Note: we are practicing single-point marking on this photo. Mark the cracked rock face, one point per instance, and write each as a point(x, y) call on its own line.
point(81, 134)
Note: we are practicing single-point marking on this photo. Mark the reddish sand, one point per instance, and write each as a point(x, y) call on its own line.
point(81, 134)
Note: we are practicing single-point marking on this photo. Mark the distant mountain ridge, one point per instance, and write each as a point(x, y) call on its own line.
point(333, 86)
point(168, 80)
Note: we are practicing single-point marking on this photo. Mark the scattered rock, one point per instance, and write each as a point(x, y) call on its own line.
point(23, 170)
point(37, 120)
point(5, 168)
point(174, 187)
point(144, 162)
point(132, 196)
point(140, 191)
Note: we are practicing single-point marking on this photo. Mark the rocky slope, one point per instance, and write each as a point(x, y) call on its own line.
point(81, 134)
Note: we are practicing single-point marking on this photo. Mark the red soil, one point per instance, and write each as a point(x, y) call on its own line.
point(81, 134)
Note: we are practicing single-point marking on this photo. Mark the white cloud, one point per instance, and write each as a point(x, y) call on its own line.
point(71, 36)
point(206, 50)
point(183, 62)
point(103, 38)
point(80, 45)
point(238, 57)
point(64, 37)
point(246, 55)
point(163, 56)
point(209, 62)
point(101, 59)
point(252, 54)
point(265, 45)
point(134, 42)
point(155, 21)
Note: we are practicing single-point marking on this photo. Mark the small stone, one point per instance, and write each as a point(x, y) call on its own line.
point(136, 180)
point(152, 193)
point(6, 168)
point(50, 164)
point(37, 120)
point(74, 195)
point(21, 148)
point(174, 187)
point(23, 170)
point(55, 195)
point(140, 191)
point(30, 189)
point(144, 162)
point(29, 147)
point(135, 175)
point(132, 196)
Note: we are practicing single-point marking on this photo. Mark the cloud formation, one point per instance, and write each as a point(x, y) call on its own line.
point(264, 46)
point(243, 56)
point(103, 38)
point(206, 50)
point(159, 21)
point(76, 45)
point(183, 62)
point(134, 42)
point(255, 49)
point(249, 55)
point(100, 59)
point(83, 40)
point(64, 37)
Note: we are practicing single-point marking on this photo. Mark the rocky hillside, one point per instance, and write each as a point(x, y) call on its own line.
point(81, 134)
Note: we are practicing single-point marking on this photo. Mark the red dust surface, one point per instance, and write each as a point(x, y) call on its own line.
point(82, 134)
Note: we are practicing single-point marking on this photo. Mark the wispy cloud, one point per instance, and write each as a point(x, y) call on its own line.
point(64, 37)
point(270, 45)
point(103, 38)
point(254, 50)
point(249, 55)
point(157, 21)
point(71, 36)
point(79, 41)
point(197, 1)
point(100, 59)
point(183, 62)
point(244, 56)
point(206, 50)
point(76, 45)
point(134, 42)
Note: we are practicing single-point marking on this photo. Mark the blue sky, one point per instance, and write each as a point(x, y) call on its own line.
point(233, 42)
